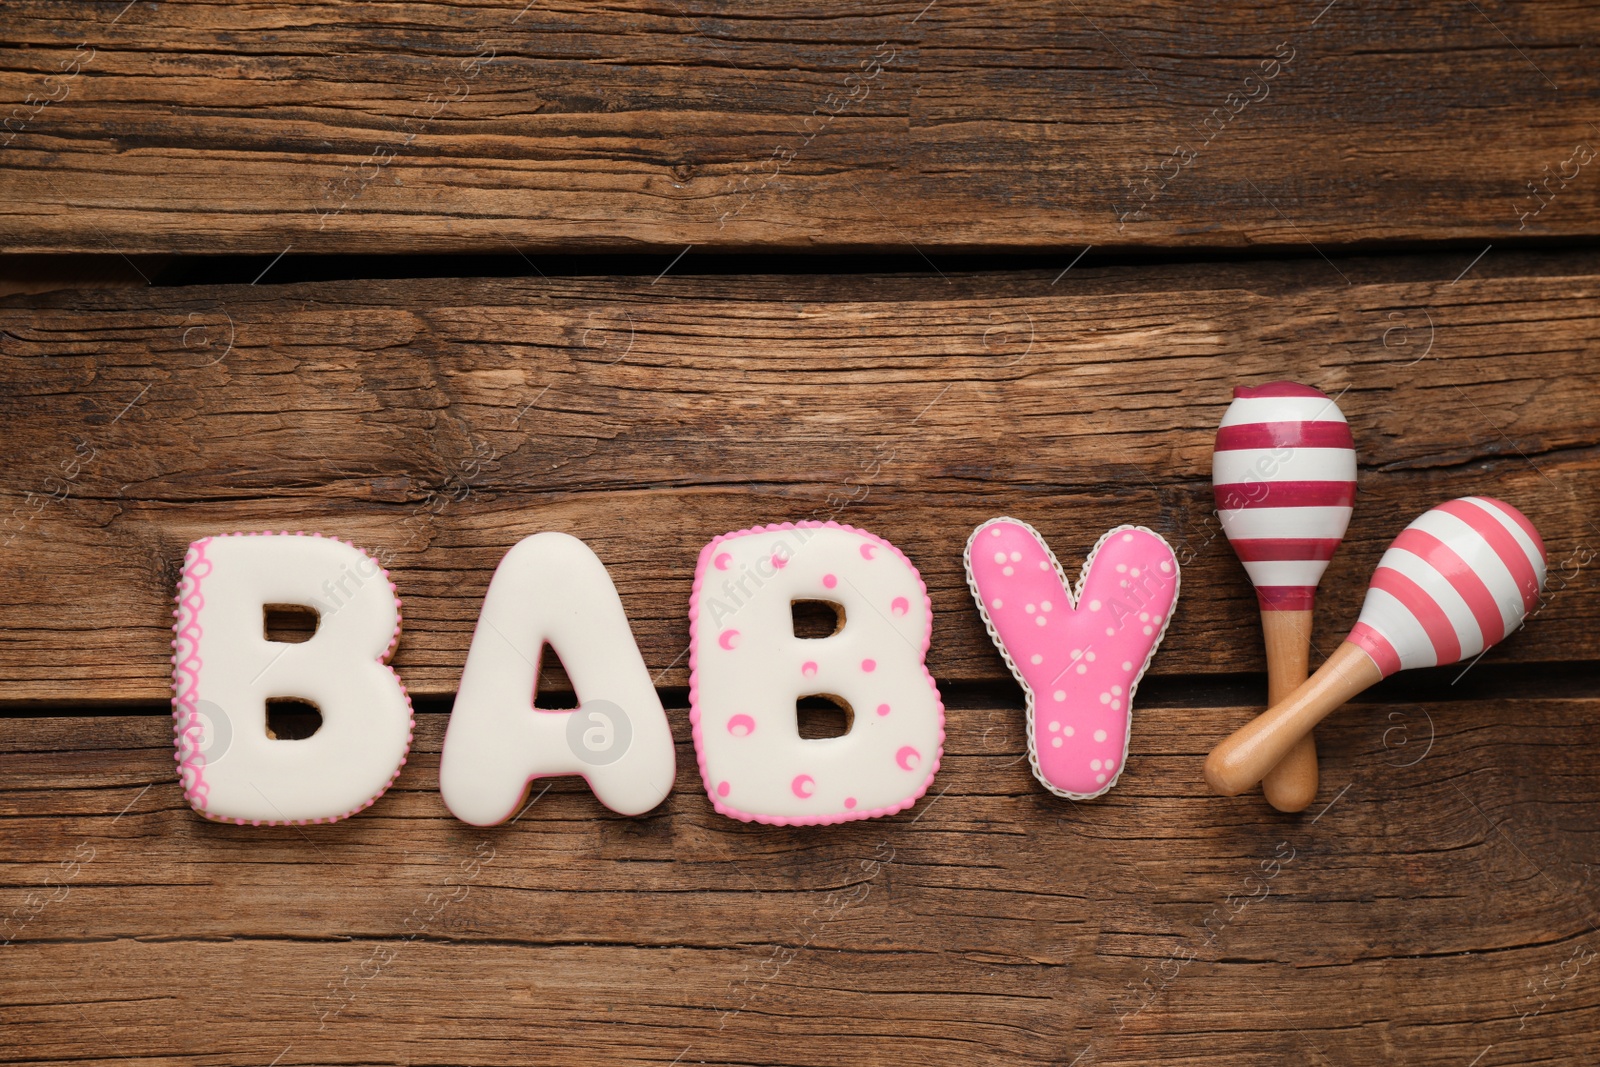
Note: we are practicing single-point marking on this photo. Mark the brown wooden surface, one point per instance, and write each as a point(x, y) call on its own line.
point(377, 127)
point(1435, 905)
point(440, 421)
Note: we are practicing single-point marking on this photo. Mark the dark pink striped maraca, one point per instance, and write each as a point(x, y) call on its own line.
point(1284, 475)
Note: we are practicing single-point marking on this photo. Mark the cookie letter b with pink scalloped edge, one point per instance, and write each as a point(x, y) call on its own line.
point(1078, 657)
point(225, 671)
point(748, 671)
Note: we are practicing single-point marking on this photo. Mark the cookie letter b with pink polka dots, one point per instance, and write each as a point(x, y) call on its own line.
point(749, 670)
point(1078, 658)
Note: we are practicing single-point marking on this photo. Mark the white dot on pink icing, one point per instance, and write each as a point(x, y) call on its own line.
point(1083, 668)
point(1016, 557)
point(1165, 566)
point(1116, 705)
point(1127, 537)
point(1094, 605)
point(1055, 742)
point(1041, 620)
point(1144, 616)
point(1007, 571)
point(1094, 765)
point(1105, 698)
point(1149, 630)
point(1100, 735)
point(1036, 659)
point(1100, 778)
point(1077, 654)
point(1054, 725)
point(1043, 565)
point(1116, 690)
point(1067, 731)
point(1059, 694)
point(1089, 656)
point(1047, 605)
point(1110, 763)
point(994, 531)
point(996, 603)
point(999, 557)
point(1123, 583)
point(1127, 664)
point(1122, 568)
point(1111, 631)
point(1028, 608)
point(1155, 618)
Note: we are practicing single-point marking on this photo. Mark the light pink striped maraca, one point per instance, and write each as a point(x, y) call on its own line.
point(1454, 582)
point(1461, 577)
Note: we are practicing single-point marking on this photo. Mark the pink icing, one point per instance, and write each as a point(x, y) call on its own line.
point(1079, 658)
point(187, 728)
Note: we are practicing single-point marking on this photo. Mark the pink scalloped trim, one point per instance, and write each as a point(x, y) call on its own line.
point(706, 555)
point(186, 625)
point(186, 725)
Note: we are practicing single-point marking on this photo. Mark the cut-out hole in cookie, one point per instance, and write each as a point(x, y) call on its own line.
point(288, 623)
point(816, 618)
point(289, 719)
point(552, 689)
point(823, 715)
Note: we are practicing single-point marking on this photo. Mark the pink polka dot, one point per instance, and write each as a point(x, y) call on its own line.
point(722, 789)
point(883, 709)
point(808, 668)
point(722, 561)
point(741, 726)
point(729, 639)
point(778, 561)
point(900, 605)
point(829, 581)
point(867, 550)
point(803, 785)
point(908, 758)
point(869, 665)
point(849, 802)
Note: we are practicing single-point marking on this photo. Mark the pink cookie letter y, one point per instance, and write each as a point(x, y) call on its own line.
point(1078, 658)
point(749, 669)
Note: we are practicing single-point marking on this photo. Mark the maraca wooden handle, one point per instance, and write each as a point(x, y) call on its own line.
point(1292, 784)
point(1251, 751)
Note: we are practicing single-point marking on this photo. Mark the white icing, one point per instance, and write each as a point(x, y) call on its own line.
point(226, 671)
point(551, 588)
point(749, 670)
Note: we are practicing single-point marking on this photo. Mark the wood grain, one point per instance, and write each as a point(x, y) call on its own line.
point(1434, 901)
point(372, 127)
point(439, 422)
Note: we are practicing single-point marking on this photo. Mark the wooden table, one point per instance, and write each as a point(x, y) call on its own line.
point(538, 273)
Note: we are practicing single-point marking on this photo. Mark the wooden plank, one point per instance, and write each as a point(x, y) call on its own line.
point(371, 127)
point(441, 421)
point(1435, 901)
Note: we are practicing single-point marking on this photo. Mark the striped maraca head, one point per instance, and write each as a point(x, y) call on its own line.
point(1461, 577)
point(1284, 474)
